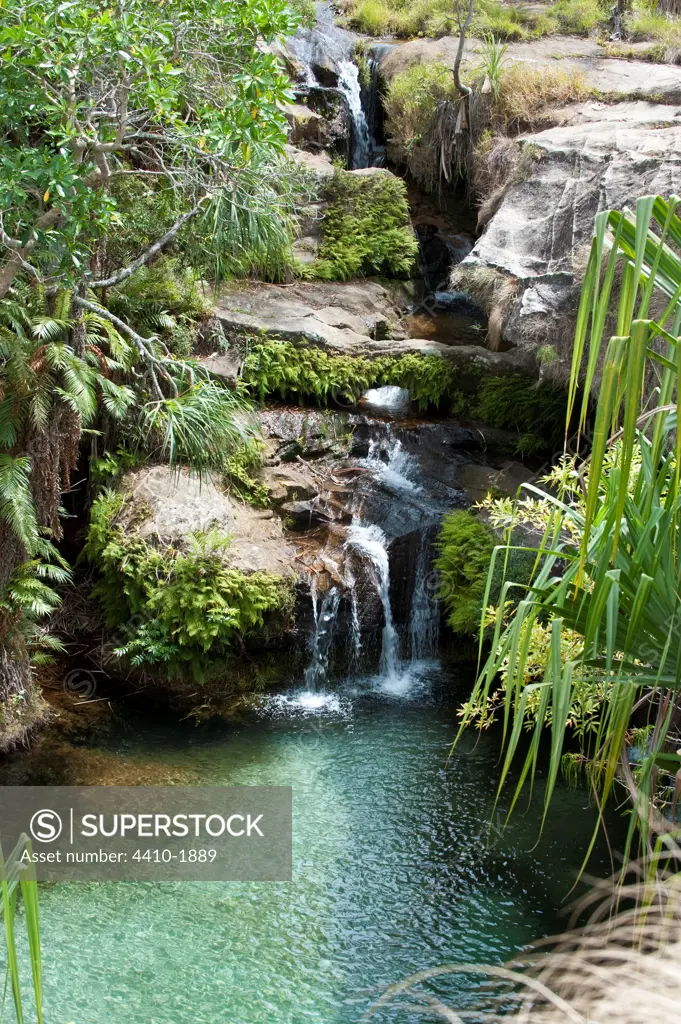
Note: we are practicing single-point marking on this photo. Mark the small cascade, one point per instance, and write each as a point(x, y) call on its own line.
point(371, 101)
point(325, 613)
point(390, 465)
point(425, 609)
point(371, 542)
point(356, 636)
point(348, 83)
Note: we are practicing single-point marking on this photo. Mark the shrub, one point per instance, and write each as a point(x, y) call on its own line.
point(305, 9)
point(579, 17)
point(644, 23)
point(284, 369)
point(408, 18)
point(178, 608)
point(465, 545)
point(411, 104)
point(372, 17)
point(366, 229)
point(536, 411)
point(527, 93)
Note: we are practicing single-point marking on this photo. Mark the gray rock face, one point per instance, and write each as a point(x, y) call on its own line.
point(340, 317)
point(179, 505)
point(600, 156)
point(607, 75)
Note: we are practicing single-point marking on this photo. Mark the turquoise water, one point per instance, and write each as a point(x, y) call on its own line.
point(395, 869)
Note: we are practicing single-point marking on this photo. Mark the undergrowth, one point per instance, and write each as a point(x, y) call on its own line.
point(435, 18)
point(465, 544)
point(521, 101)
point(515, 402)
point(178, 608)
point(411, 104)
point(366, 228)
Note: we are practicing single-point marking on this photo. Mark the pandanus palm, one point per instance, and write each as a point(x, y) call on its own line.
point(609, 563)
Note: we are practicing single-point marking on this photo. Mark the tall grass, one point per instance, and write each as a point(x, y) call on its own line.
point(17, 879)
point(618, 586)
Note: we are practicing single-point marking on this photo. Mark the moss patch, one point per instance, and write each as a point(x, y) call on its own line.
point(366, 229)
point(465, 546)
point(516, 402)
point(178, 609)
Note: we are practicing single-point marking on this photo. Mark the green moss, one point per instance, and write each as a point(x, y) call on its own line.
point(180, 609)
point(536, 412)
point(516, 402)
point(465, 547)
point(465, 544)
point(366, 229)
point(302, 371)
point(240, 466)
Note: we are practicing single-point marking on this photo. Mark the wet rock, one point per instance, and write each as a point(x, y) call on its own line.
point(303, 515)
point(326, 73)
point(288, 483)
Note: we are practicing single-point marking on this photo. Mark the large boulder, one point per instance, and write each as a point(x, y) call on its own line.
point(527, 264)
point(340, 317)
point(171, 506)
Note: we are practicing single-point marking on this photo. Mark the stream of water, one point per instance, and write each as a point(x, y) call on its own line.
point(396, 868)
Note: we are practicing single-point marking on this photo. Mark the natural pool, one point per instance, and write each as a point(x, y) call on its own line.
point(396, 868)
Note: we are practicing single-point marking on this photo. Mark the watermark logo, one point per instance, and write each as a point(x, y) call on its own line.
point(80, 683)
point(150, 833)
point(46, 826)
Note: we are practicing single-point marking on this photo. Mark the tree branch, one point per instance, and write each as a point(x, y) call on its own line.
point(17, 258)
point(123, 275)
point(153, 364)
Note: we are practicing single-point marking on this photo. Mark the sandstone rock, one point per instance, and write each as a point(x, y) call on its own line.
point(307, 127)
point(179, 505)
point(319, 164)
point(601, 156)
point(338, 316)
point(303, 515)
point(287, 484)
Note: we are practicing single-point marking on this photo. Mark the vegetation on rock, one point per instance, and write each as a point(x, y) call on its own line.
point(181, 609)
point(417, 100)
point(434, 18)
point(124, 131)
point(516, 402)
point(465, 544)
point(366, 228)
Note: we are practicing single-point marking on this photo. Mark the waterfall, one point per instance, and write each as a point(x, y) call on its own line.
point(390, 465)
point(325, 613)
point(348, 83)
point(372, 543)
point(425, 609)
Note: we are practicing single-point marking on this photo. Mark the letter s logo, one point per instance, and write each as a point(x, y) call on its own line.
point(46, 826)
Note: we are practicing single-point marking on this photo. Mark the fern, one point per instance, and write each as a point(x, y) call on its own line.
point(178, 608)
